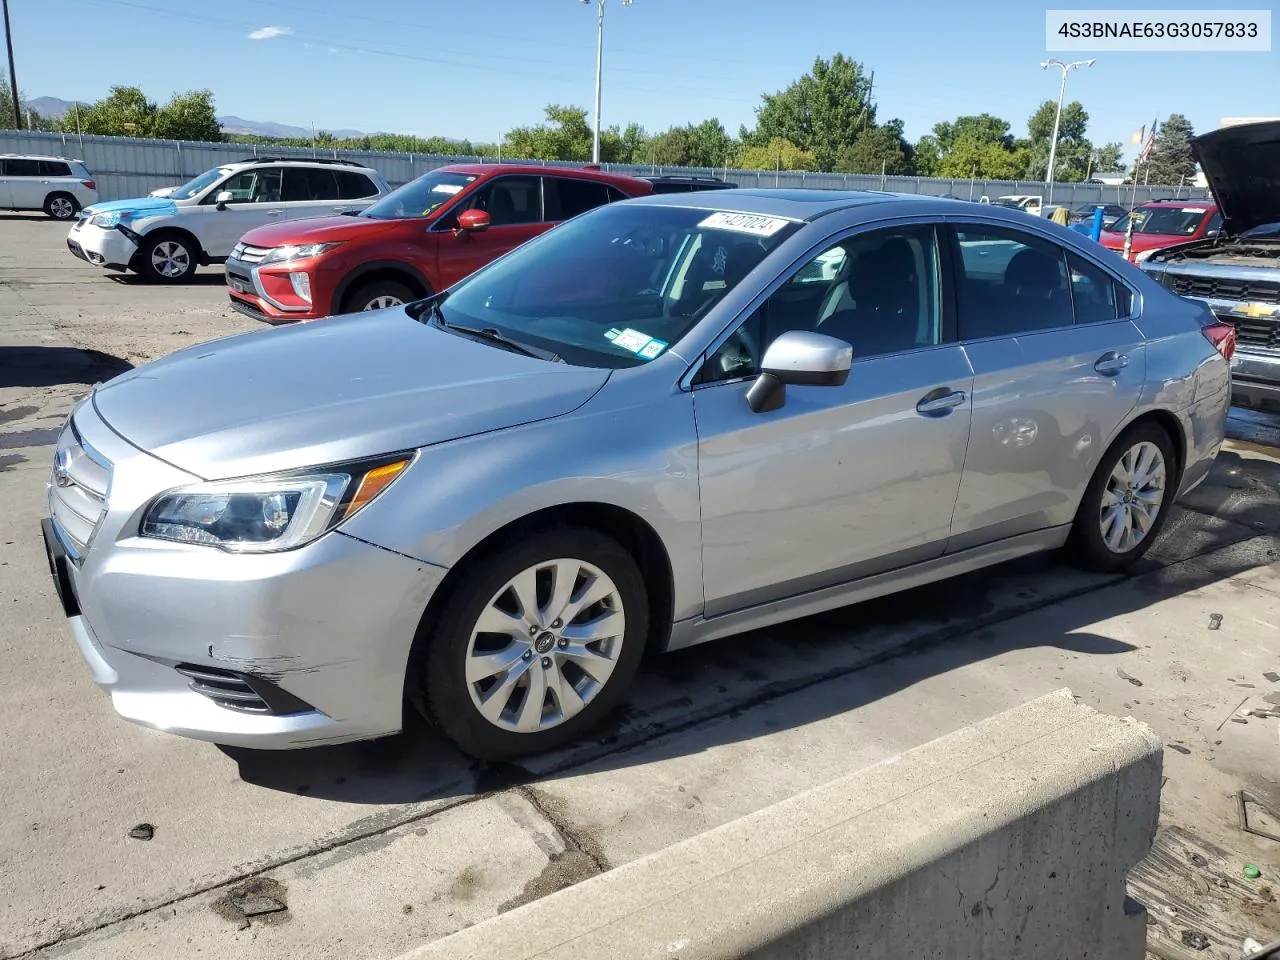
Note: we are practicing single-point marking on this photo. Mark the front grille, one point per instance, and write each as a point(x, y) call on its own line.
point(1254, 333)
point(77, 491)
point(248, 309)
point(243, 692)
point(249, 254)
point(1225, 288)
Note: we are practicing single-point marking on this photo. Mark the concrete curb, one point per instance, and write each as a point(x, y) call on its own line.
point(1012, 837)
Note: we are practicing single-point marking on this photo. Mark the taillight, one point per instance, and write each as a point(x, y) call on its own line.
point(89, 183)
point(1222, 336)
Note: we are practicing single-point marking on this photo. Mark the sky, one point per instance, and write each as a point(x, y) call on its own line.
point(474, 68)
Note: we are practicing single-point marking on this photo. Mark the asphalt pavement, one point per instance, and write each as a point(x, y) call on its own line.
point(368, 849)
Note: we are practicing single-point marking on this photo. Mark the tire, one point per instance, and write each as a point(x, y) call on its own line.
point(1119, 539)
point(378, 294)
point(540, 653)
point(61, 206)
point(167, 256)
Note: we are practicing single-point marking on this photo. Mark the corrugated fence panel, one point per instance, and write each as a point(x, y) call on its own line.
point(128, 167)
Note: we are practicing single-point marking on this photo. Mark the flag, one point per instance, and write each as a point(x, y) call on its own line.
point(1138, 135)
point(1146, 147)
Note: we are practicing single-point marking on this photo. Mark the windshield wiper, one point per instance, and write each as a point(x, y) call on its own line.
point(493, 336)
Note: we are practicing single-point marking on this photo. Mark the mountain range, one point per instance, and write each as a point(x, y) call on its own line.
point(55, 108)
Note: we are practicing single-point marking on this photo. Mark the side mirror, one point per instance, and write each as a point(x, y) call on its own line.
point(801, 358)
point(223, 198)
point(472, 221)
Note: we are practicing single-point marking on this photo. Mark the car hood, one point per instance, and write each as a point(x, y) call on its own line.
point(1141, 241)
point(142, 206)
point(1242, 165)
point(329, 391)
point(328, 230)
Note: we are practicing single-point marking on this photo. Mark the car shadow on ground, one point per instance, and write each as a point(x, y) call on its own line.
point(808, 670)
point(40, 366)
point(32, 217)
point(203, 277)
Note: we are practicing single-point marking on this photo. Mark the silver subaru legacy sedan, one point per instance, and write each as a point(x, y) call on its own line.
point(666, 421)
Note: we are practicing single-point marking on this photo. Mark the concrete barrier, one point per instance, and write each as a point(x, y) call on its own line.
point(1010, 838)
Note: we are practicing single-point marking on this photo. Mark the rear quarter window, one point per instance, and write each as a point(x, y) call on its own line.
point(54, 168)
point(355, 186)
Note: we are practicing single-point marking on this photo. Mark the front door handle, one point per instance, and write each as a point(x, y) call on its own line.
point(275, 213)
point(933, 405)
point(1111, 363)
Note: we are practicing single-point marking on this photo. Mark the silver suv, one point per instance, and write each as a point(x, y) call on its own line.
point(665, 421)
point(56, 185)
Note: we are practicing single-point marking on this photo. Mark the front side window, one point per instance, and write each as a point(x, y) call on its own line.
point(1009, 282)
point(619, 285)
point(878, 291)
point(250, 186)
point(421, 197)
point(509, 201)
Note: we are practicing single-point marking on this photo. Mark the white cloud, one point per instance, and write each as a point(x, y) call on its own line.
point(270, 33)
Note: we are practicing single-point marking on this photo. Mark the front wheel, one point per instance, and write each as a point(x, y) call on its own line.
point(378, 295)
point(167, 258)
point(1127, 501)
point(537, 643)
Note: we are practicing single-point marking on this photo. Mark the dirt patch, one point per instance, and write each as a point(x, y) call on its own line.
point(261, 900)
point(467, 884)
point(563, 870)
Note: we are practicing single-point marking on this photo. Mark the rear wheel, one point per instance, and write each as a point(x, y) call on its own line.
point(1127, 501)
point(537, 643)
point(167, 257)
point(61, 206)
point(378, 294)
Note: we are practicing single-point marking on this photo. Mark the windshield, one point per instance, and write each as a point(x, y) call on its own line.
point(617, 286)
point(421, 197)
point(197, 186)
point(1167, 221)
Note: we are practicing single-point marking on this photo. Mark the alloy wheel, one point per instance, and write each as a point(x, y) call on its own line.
point(545, 645)
point(1133, 498)
point(62, 208)
point(382, 302)
point(170, 259)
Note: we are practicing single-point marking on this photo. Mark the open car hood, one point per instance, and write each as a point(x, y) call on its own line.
point(1242, 165)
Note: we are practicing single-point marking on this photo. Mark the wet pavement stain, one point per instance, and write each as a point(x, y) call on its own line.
point(17, 413)
point(10, 460)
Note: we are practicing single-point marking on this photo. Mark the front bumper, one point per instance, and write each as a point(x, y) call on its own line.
point(182, 637)
point(1255, 378)
point(249, 296)
point(108, 248)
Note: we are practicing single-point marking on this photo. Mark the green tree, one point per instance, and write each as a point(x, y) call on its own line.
point(1109, 158)
point(565, 136)
point(977, 145)
point(821, 113)
point(880, 149)
point(632, 145)
point(706, 144)
point(1171, 161)
point(1071, 161)
point(778, 153)
point(124, 111)
point(187, 116)
point(983, 127)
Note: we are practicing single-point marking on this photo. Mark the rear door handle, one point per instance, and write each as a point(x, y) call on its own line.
point(1111, 363)
point(341, 209)
point(275, 213)
point(932, 405)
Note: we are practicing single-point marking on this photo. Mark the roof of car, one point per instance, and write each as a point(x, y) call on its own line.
point(540, 170)
point(302, 161)
point(38, 156)
point(1189, 202)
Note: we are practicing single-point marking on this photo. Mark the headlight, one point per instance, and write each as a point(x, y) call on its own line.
point(110, 219)
point(290, 253)
point(266, 514)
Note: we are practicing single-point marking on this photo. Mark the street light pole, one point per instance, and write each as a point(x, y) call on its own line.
point(1057, 119)
point(13, 71)
point(595, 146)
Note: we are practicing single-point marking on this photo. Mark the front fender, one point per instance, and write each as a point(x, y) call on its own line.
point(642, 459)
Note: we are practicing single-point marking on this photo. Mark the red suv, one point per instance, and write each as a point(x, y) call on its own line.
point(1162, 223)
point(417, 240)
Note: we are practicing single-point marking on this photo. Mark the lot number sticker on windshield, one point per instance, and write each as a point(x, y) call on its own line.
point(744, 223)
point(633, 341)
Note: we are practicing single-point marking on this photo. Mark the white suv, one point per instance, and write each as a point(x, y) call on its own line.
point(165, 238)
point(56, 185)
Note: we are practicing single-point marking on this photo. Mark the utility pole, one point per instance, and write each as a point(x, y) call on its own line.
point(1057, 119)
point(866, 105)
point(13, 71)
point(595, 144)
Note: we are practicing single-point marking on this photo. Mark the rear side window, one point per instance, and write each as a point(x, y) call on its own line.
point(354, 186)
point(1009, 282)
point(22, 168)
point(54, 168)
point(302, 184)
point(566, 198)
point(1093, 292)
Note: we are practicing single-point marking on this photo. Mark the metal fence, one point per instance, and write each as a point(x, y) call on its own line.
point(129, 167)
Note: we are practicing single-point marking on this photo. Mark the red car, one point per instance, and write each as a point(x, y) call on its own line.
point(417, 240)
point(1162, 223)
